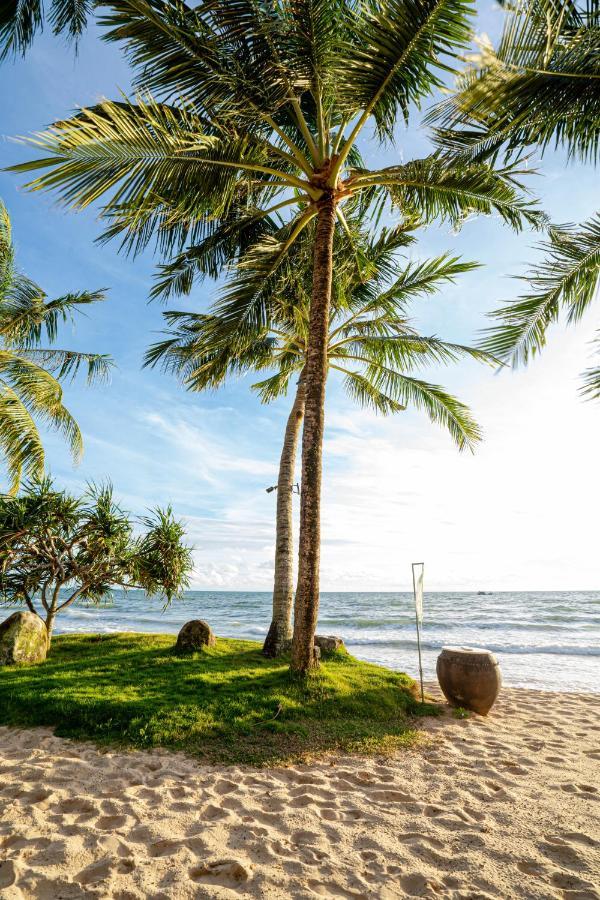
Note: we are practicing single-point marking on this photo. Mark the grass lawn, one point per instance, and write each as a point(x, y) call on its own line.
point(227, 704)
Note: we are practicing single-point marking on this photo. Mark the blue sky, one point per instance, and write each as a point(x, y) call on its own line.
point(520, 514)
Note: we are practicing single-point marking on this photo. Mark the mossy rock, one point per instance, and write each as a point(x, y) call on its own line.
point(23, 640)
point(195, 635)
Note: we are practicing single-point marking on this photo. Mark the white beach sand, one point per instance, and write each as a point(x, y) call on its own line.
point(507, 806)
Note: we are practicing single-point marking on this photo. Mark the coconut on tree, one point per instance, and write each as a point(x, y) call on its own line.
point(371, 344)
point(262, 106)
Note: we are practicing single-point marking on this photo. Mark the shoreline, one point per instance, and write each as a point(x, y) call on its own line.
point(503, 806)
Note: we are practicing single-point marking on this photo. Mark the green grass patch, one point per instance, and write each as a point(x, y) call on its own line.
point(227, 704)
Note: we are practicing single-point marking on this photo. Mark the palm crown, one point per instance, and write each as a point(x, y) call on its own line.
point(540, 87)
point(371, 341)
point(248, 111)
point(30, 374)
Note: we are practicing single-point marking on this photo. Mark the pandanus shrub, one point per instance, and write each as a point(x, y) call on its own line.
point(247, 110)
point(56, 549)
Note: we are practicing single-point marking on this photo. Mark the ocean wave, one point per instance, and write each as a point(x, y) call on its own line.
point(526, 649)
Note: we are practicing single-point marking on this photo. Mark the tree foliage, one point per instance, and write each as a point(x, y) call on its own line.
point(56, 548)
point(539, 88)
point(30, 373)
point(372, 343)
point(21, 20)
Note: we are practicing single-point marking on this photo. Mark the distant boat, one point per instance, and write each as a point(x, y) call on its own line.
point(484, 593)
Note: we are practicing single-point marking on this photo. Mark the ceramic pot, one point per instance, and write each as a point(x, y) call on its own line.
point(469, 677)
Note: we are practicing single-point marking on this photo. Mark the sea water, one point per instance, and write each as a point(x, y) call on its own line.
point(545, 640)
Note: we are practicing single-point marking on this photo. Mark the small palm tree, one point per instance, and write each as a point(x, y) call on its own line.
point(371, 344)
point(260, 107)
point(541, 87)
point(30, 374)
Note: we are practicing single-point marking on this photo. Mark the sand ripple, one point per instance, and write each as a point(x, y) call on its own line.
point(507, 806)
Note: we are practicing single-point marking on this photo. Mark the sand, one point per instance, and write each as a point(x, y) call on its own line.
point(507, 806)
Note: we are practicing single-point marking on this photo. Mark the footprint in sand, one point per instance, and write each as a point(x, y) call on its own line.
point(225, 787)
point(330, 815)
point(410, 837)
point(221, 871)
point(568, 882)
point(102, 869)
point(9, 873)
point(388, 796)
point(165, 847)
point(113, 823)
point(587, 790)
point(303, 800)
point(329, 889)
point(531, 867)
point(212, 812)
point(418, 885)
point(77, 806)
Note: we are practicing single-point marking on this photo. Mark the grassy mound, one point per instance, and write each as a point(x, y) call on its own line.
point(227, 704)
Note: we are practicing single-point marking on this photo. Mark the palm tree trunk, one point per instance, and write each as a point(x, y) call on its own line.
point(280, 632)
point(306, 608)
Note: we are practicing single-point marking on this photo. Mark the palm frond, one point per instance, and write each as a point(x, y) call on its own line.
point(438, 188)
point(26, 313)
point(566, 279)
point(441, 407)
point(540, 86)
point(20, 442)
point(397, 52)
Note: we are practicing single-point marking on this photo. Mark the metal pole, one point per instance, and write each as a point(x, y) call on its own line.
point(418, 631)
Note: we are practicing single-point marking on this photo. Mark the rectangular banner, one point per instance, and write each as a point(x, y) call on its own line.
point(418, 573)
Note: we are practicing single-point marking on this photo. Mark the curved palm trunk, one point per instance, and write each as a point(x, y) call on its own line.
point(280, 632)
point(306, 608)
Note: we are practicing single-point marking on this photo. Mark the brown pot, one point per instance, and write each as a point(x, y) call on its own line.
point(469, 677)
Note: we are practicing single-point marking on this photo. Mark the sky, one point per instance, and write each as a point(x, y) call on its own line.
point(519, 514)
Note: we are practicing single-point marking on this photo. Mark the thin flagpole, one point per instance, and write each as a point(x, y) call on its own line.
point(418, 629)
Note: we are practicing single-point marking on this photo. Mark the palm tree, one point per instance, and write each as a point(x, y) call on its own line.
point(276, 97)
point(371, 343)
point(20, 21)
point(541, 87)
point(29, 373)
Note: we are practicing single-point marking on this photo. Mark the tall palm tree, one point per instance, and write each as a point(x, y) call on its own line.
point(540, 87)
point(276, 96)
point(371, 343)
point(30, 374)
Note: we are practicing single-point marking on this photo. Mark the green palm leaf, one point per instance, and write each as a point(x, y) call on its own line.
point(567, 278)
point(30, 389)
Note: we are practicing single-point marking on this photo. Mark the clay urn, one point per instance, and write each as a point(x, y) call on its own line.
point(469, 677)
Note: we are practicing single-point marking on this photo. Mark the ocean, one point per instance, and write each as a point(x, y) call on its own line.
point(545, 640)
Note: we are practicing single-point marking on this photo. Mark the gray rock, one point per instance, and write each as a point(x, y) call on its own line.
point(23, 640)
point(195, 635)
point(329, 643)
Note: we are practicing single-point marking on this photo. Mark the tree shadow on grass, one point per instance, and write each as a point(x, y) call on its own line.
point(228, 703)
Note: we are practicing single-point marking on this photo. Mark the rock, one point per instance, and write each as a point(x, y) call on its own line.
point(329, 643)
point(23, 640)
point(195, 635)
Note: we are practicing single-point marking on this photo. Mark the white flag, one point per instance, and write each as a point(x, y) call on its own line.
point(418, 572)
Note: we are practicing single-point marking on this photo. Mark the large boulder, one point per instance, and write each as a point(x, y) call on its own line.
point(328, 643)
point(23, 640)
point(195, 635)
